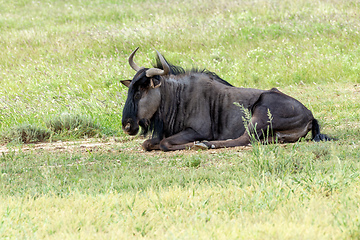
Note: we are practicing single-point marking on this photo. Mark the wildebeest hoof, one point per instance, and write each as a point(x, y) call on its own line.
point(148, 145)
point(199, 146)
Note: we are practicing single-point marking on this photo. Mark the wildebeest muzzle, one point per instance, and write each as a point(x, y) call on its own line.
point(130, 127)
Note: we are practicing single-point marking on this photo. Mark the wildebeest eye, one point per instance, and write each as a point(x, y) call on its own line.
point(137, 96)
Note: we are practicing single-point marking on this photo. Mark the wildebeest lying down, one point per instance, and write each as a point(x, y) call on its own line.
point(180, 108)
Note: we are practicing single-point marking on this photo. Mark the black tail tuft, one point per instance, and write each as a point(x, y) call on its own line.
point(316, 135)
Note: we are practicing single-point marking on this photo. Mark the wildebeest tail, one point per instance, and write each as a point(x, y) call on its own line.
point(316, 135)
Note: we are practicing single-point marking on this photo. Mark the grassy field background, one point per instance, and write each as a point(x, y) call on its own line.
point(60, 67)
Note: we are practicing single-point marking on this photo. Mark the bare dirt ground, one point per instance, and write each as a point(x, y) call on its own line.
point(60, 146)
point(132, 145)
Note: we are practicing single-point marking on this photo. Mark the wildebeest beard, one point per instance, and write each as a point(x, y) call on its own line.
point(145, 125)
point(153, 126)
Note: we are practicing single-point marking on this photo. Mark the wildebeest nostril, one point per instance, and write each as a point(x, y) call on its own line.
point(127, 127)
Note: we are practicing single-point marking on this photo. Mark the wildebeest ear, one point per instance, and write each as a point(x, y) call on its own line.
point(155, 84)
point(126, 82)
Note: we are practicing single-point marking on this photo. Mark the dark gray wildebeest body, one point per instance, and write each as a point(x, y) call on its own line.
point(181, 109)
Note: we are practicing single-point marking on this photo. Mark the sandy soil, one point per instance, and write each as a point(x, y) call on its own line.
point(59, 146)
point(90, 145)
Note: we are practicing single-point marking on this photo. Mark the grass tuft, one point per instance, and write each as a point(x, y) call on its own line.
point(25, 133)
point(193, 161)
point(76, 125)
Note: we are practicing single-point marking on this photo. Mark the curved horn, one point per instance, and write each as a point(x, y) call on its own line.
point(131, 61)
point(165, 65)
point(156, 71)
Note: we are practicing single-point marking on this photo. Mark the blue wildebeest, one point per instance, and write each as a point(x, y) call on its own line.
point(182, 108)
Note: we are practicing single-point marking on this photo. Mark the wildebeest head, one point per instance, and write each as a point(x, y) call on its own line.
point(143, 95)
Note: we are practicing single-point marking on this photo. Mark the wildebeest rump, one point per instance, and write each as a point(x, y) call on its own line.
point(180, 108)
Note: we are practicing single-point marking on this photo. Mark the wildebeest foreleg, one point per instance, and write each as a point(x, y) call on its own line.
point(151, 144)
point(180, 141)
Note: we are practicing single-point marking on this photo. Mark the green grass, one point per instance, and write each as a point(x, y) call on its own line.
point(60, 67)
point(301, 190)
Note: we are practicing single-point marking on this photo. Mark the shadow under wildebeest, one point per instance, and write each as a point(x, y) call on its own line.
point(182, 109)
